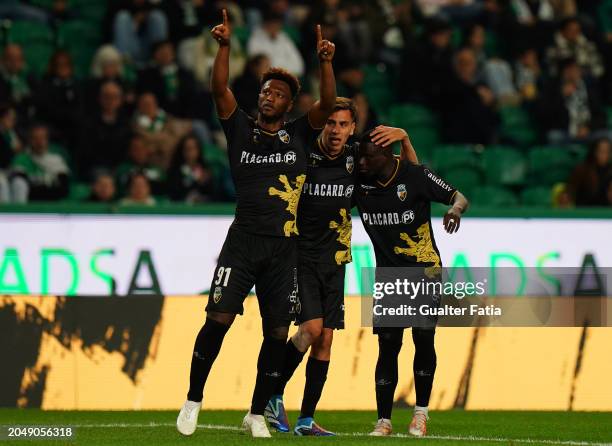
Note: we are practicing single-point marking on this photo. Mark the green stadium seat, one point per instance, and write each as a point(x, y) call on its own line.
point(37, 56)
point(25, 33)
point(504, 166)
point(493, 196)
point(424, 139)
point(536, 196)
point(517, 126)
point(466, 179)
point(78, 33)
point(79, 192)
point(376, 86)
point(409, 116)
point(294, 34)
point(449, 157)
point(550, 164)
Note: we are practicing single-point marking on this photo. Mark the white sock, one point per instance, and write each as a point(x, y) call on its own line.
point(425, 410)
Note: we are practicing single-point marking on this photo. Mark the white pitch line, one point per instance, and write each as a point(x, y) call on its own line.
point(358, 434)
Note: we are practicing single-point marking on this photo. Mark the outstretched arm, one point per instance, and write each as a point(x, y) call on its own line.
point(321, 110)
point(222, 95)
point(452, 219)
point(385, 136)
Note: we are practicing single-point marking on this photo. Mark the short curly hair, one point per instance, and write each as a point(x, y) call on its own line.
point(281, 74)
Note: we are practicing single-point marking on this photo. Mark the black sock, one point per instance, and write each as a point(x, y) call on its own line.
point(207, 346)
point(424, 365)
point(269, 370)
point(389, 346)
point(316, 375)
point(293, 357)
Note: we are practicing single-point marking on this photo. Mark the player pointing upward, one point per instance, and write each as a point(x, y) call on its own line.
point(268, 163)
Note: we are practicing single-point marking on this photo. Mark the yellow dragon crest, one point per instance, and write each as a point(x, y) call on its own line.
point(422, 249)
point(292, 196)
point(344, 230)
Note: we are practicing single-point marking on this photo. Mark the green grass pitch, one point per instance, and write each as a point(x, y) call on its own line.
point(222, 428)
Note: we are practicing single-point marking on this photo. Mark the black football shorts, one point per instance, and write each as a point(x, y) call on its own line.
point(269, 263)
point(321, 293)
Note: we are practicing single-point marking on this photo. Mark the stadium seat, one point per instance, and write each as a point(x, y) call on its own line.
point(450, 157)
point(424, 139)
point(410, 116)
point(609, 113)
point(517, 126)
point(79, 192)
point(504, 166)
point(536, 196)
point(37, 57)
point(376, 86)
point(466, 179)
point(25, 33)
point(550, 164)
point(493, 196)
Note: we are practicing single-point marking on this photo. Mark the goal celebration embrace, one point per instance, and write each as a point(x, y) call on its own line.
point(297, 181)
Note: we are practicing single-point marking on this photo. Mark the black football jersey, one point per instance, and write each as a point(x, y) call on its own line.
point(269, 170)
point(324, 216)
point(397, 215)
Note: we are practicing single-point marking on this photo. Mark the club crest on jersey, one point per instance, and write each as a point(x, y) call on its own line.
point(350, 163)
point(256, 135)
point(401, 192)
point(408, 217)
point(284, 136)
point(217, 294)
point(349, 191)
point(289, 157)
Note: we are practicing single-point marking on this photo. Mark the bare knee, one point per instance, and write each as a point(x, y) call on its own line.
point(321, 349)
point(307, 334)
point(222, 318)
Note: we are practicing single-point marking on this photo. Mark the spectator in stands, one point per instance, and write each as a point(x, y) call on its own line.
point(609, 192)
point(604, 14)
point(249, 82)
point(366, 116)
point(427, 66)
point(528, 75)
point(469, 115)
point(103, 189)
point(173, 86)
point(160, 130)
point(570, 107)
point(571, 43)
point(10, 145)
point(189, 178)
point(197, 54)
point(458, 11)
point(139, 192)
point(176, 91)
point(139, 160)
point(39, 173)
point(271, 40)
point(496, 73)
point(137, 27)
point(187, 18)
point(60, 99)
point(588, 184)
point(107, 65)
point(105, 135)
point(16, 86)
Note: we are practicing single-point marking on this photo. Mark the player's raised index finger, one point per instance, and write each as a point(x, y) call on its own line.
point(319, 34)
point(224, 16)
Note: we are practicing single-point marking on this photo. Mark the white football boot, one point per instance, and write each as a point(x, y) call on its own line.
point(187, 420)
point(256, 425)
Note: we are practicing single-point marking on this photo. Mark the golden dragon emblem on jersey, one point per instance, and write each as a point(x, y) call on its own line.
point(344, 230)
point(292, 196)
point(422, 249)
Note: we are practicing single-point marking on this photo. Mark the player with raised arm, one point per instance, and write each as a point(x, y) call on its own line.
point(268, 163)
point(394, 200)
point(324, 248)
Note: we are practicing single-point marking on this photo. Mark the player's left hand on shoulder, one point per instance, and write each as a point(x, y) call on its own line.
point(385, 136)
point(452, 220)
point(325, 48)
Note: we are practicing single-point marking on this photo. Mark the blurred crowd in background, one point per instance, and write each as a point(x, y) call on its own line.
point(109, 101)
